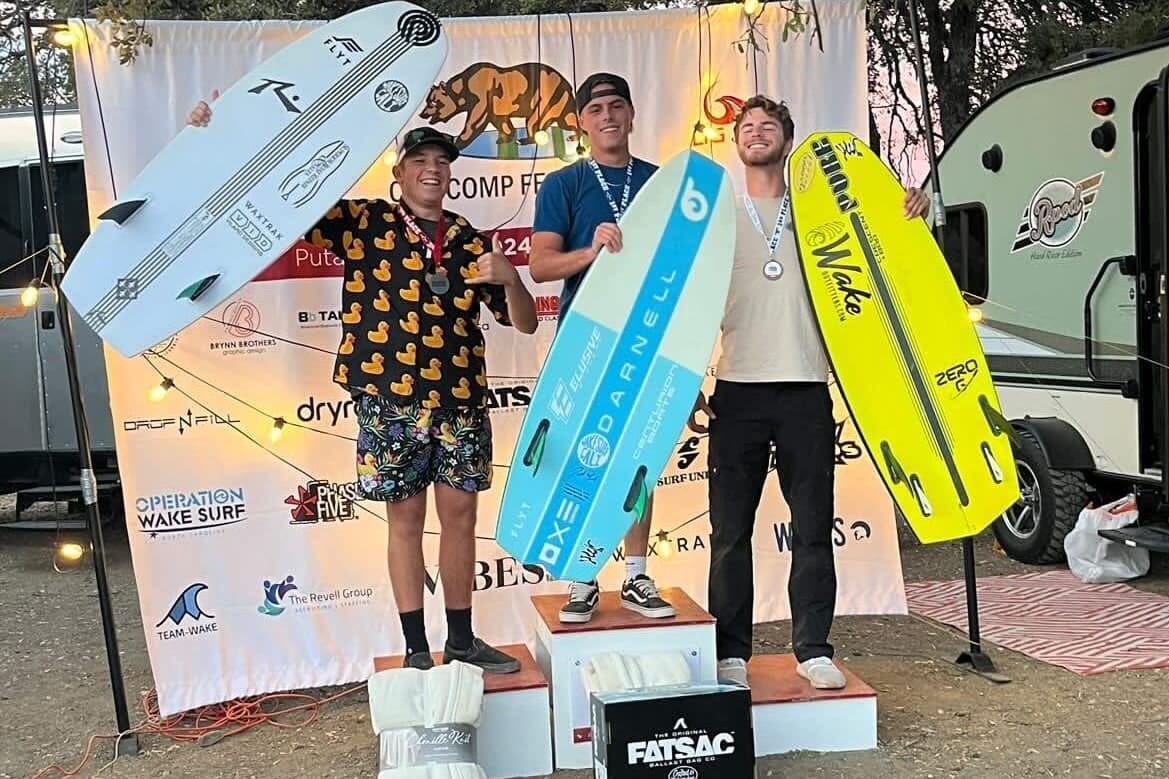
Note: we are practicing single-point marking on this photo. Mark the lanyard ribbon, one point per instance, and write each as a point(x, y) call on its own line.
point(780, 220)
point(605, 186)
point(435, 246)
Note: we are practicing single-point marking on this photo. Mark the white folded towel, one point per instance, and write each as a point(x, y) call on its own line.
point(408, 709)
point(403, 697)
point(613, 671)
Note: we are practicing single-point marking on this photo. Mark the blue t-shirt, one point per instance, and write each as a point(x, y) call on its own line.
point(572, 204)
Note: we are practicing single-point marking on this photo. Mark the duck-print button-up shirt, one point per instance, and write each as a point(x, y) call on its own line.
point(399, 339)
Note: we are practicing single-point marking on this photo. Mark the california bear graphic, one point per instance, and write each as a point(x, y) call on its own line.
point(492, 96)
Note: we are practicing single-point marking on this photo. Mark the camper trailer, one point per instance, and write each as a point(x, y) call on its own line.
point(38, 443)
point(1057, 232)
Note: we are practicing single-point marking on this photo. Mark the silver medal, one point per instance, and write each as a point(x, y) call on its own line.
point(773, 268)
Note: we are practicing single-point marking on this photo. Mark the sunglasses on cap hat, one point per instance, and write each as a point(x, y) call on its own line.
point(420, 136)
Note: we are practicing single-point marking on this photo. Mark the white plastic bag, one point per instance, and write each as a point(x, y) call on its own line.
point(1095, 559)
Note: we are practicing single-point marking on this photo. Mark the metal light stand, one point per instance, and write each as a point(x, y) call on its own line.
point(127, 743)
point(974, 658)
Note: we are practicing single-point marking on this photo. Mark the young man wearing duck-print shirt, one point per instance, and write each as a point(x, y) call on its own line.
point(413, 356)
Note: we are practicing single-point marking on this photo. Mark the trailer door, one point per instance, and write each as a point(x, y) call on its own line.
point(1151, 134)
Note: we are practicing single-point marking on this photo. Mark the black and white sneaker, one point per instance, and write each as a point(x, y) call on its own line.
point(641, 595)
point(582, 602)
point(487, 657)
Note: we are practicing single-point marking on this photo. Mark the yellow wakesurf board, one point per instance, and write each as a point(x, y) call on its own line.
point(900, 340)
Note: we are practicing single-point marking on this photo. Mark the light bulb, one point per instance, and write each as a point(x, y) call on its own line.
point(159, 391)
point(277, 428)
point(70, 551)
point(30, 295)
point(709, 132)
point(750, 7)
point(975, 314)
point(390, 157)
point(541, 137)
point(63, 38)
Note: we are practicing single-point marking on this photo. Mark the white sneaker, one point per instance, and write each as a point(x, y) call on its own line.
point(822, 673)
point(733, 670)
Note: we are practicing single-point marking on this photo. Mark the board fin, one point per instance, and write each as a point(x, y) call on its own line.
point(913, 483)
point(998, 423)
point(992, 465)
point(194, 291)
point(535, 450)
point(638, 496)
point(120, 212)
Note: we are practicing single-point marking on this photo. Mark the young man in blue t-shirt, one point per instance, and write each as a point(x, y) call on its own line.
point(577, 210)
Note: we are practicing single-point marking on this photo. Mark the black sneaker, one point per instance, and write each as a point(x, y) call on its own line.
point(582, 602)
point(490, 659)
point(641, 595)
point(420, 660)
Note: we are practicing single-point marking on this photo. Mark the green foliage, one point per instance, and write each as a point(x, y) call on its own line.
point(1049, 41)
point(132, 33)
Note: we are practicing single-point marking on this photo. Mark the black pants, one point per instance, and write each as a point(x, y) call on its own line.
point(797, 419)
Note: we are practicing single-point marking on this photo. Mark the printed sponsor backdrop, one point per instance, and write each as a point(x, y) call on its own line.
point(256, 569)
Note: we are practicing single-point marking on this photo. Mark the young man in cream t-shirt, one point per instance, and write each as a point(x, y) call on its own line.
point(772, 389)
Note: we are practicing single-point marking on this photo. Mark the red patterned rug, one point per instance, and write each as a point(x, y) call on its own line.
point(1056, 618)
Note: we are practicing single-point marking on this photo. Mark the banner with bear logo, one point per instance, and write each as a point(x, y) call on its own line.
point(257, 568)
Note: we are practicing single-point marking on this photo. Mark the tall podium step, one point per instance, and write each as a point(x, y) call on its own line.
point(515, 735)
point(562, 648)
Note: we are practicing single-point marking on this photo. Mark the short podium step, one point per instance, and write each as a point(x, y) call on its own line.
point(790, 714)
point(515, 736)
point(562, 649)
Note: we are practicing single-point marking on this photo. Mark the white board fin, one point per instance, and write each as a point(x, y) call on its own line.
point(194, 291)
point(120, 212)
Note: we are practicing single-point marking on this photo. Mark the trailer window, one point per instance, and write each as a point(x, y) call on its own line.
point(11, 232)
point(964, 244)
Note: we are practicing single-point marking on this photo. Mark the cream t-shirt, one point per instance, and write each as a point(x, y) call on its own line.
point(768, 330)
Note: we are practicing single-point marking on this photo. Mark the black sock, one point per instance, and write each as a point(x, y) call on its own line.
point(458, 626)
point(414, 628)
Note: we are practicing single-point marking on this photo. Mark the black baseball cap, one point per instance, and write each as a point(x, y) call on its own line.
point(602, 85)
point(420, 136)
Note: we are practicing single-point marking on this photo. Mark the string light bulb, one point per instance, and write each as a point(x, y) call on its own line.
point(751, 7)
point(663, 547)
point(975, 313)
point(390, 157)
point(67, 555)
point(541, 137)
point(71, 552)
point(63, 37)
point(705, 130)
point(30, 295)
point(158, 392)
point(277, 428)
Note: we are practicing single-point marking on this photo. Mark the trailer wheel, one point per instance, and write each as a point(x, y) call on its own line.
point(1032, 531)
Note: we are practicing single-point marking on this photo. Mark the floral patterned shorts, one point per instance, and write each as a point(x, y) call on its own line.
point(403, 448)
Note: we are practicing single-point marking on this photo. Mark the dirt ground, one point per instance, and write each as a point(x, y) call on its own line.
point(935, 719)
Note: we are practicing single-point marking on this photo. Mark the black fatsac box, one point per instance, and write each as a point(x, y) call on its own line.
point(685, 731)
